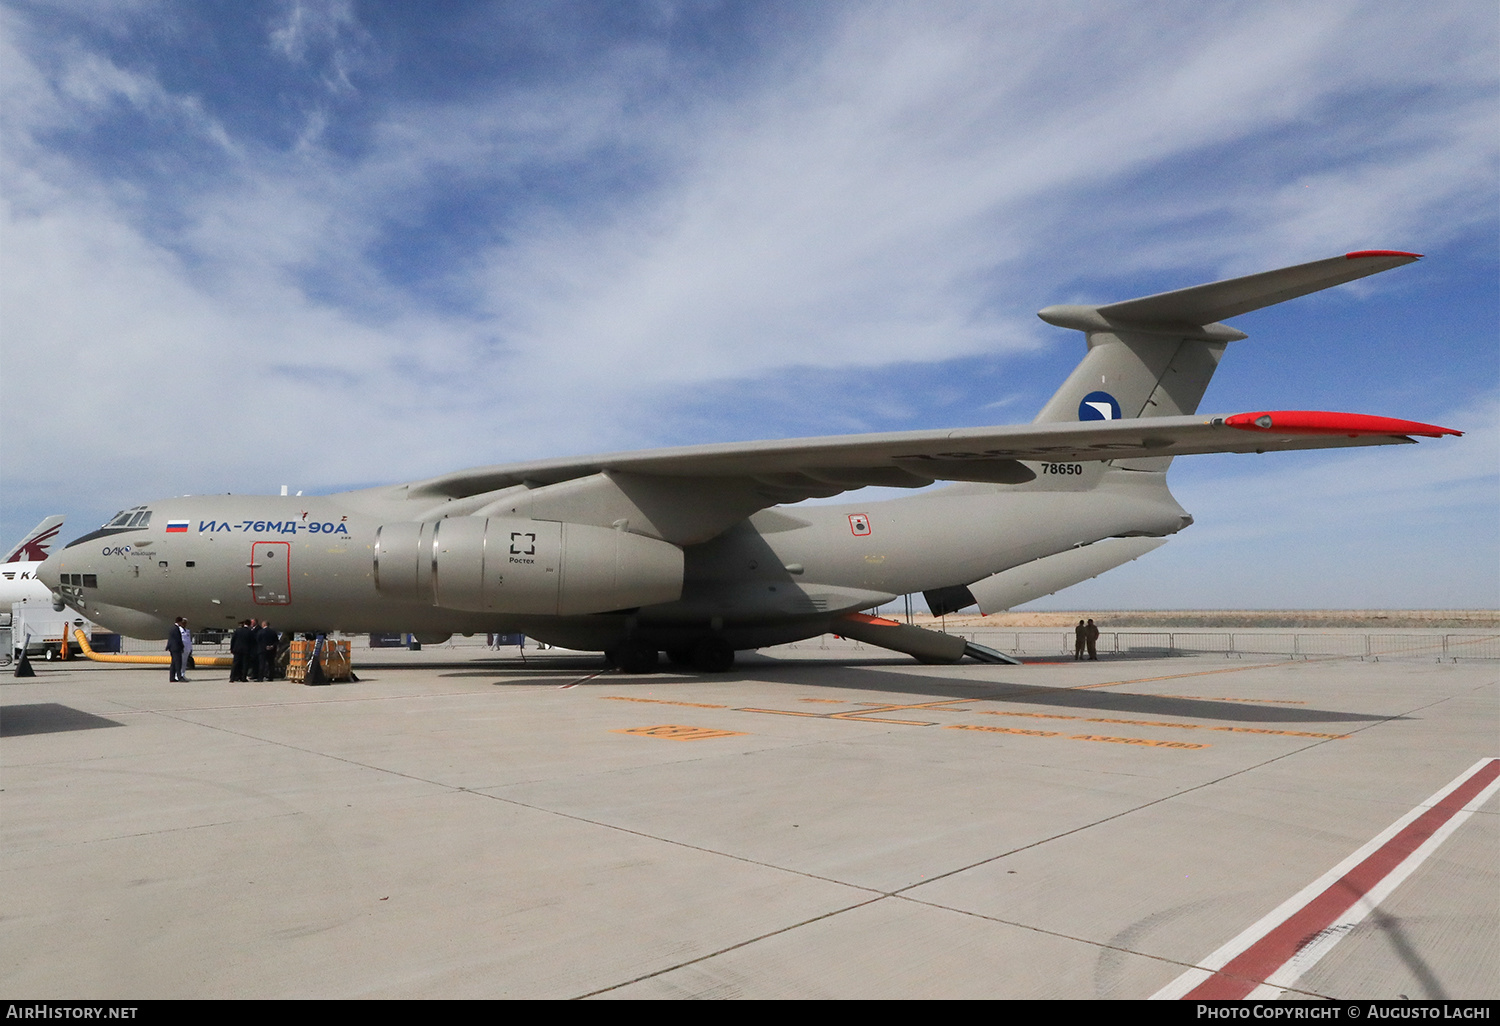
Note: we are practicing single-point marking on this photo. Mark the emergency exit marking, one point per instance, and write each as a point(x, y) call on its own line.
point(677, 732)
point(859, 524)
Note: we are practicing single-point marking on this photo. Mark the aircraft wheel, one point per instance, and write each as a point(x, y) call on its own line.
point(713, 655)
point(636, 657)
point(680, 656)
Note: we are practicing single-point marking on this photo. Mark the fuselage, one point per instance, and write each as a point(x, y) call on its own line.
point(315, 563)
point(19, 583)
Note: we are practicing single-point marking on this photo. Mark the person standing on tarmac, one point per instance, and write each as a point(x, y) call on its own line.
point(266, 641)
point(1080, 637)
point(1092, 633)
point(175, 650)
point(242, 647)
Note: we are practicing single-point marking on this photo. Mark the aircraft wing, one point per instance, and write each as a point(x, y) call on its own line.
point(794, 469)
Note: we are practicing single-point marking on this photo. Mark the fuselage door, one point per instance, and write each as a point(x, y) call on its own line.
point(271, 573)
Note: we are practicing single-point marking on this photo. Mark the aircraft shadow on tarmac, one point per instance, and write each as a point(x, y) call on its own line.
point(883, 675)
point(934, 687)
point(48, 718)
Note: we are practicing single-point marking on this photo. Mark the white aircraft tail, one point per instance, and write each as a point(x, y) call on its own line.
point(33, 547)
point(1154, 356)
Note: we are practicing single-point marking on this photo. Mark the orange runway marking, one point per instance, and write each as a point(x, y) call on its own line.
point(678, 732)
point(1168, 723)
point(787, 712)
point(867, 715)
point(663, 701)
point(1143, 741)
point(1004, 730)
point(1149, 742)
point(1258, 701)
point(1174, 676)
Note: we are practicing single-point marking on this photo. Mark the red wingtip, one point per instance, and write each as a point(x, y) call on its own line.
point(1378, 252)
point(1318, 422)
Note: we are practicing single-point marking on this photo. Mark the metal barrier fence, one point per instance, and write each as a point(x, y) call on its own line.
point(1347, 644)
point(1238, 644)
point(1372, 645)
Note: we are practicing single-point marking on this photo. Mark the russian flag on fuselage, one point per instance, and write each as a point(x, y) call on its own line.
point(177, 526)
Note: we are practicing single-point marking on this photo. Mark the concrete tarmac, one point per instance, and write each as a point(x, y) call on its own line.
point(801, 827)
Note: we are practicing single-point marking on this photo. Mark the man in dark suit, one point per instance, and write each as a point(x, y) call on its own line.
point(242, 647)
point(175, 648)
point(1093, 639)
point(266, 641)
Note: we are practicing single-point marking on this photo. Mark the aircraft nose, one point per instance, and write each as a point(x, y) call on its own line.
point(48, 573)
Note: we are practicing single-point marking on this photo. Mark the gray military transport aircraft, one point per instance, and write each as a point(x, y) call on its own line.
point(691, 550)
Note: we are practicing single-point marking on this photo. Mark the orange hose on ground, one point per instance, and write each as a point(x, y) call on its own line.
point(157, 660)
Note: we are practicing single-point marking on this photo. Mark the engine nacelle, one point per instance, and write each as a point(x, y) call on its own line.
point(514, 565)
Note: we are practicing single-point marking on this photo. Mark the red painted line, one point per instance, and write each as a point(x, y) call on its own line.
point(1255, 964)
point(580, 680)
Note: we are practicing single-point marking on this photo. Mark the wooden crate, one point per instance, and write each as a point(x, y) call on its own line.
point(334, 660)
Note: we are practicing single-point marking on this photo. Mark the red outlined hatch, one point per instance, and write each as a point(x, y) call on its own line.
point(859, 524)
point(271, 573)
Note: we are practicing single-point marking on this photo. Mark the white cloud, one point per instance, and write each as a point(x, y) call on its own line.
point(329, 27)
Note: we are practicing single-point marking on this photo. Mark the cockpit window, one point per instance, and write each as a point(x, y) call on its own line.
point(135, 516)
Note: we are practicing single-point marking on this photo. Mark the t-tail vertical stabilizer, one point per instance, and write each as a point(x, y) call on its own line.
point(1154, 356)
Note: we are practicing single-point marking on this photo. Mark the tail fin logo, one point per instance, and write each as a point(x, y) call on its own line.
point(35, 549)
point(1099, 406)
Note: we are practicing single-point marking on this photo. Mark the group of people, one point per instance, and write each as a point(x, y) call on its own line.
point(253, 648)
point(1086, 635)
point(254, 651)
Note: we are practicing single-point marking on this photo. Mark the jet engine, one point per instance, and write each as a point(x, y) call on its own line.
point(515, 565)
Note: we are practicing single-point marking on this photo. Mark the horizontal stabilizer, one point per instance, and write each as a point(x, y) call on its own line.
point(1204, 305)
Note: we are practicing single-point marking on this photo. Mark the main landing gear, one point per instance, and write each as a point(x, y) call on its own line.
point(708, 655)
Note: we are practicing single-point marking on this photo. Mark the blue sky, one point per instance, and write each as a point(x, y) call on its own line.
point(339, 244)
